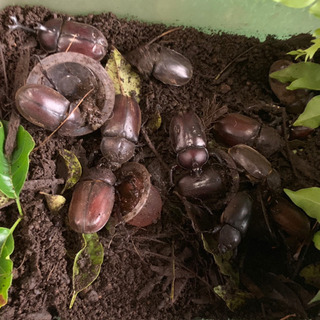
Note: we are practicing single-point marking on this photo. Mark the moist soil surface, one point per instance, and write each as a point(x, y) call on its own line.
point(141, 265)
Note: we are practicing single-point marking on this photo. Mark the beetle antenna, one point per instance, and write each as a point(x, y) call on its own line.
point(162, 35)
point(17, 25)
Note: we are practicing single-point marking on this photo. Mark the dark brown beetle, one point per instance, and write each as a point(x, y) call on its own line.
point(166, 65)
point(189, 141)
point(234, 222)
point(121, 132)
point(290, 218)
point(236, 128)
point(57, 35)
point(256, 165)
point(92, 201)
point(57, 85)
point(294, 100)
point(299, 132)
point(209, 185)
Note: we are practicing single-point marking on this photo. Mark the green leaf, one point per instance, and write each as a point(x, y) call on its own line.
point(315, 298)
point(233, 296)
point(316, 33)
point(316, 240)
point(74, 169)
point(307, 199)
point(302, 75)
point(125, 80)
point(13, 172)
point(295, 3)
point(309, 52)
point(87, 264)
point(221, 260)
point(315, 9)
point(6, 264)
point(311, 273)
point(310, 117)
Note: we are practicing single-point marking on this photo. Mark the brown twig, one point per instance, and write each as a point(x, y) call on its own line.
point(4, 70)
point(162, 35)
point(63, 122)
point(173, 274)
point(153, 149)
point(285, 136)
point(232, 61)
point(288, 316)
point(71, 42)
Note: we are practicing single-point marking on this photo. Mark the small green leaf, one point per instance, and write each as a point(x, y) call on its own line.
point(315, 9)
point(13, 172)
point(316, 240)
point(311, 274)
point(87, 264)
point(6, 264)
point(310, 117)
point(307, 199)
point(221, 260)
point(125, 80)
point(74, 169)
point(233, 296)
point(309, 52)
point(301, 75)
point(295, 3)
point(315, 298)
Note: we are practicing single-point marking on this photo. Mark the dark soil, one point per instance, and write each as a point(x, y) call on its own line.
point(136, 276)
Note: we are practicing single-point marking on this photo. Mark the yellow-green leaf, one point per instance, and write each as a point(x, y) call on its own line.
point(311, 274)
point(295, 3)
point(310, 117)
point(126, 82)
point(308, 199)
point(233, 296)
point(87, 264)
point(55, 202)
point(73, 167)
point(315, 9)
point(4, 200)
point(155, 121)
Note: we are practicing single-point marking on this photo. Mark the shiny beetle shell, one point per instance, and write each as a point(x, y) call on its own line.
point(172, 68)
point(209, 185)
point(72, 75)
point(121, 132)
point(290, 218)
point(235, 221)
point(236, 128)
point(189, 140)
point(42, 105)
point(57, 35)
point(166, 65)
point(294, 100)
point(92, 202)
point(256, 165)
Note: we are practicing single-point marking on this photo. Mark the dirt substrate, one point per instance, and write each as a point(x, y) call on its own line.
point(137, 273)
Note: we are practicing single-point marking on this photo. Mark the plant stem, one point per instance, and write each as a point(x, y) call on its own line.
point(19, 207)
